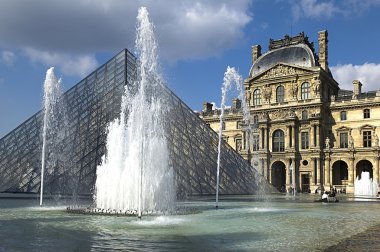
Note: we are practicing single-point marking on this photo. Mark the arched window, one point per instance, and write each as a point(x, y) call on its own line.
point(280, 92)
point(256, 120)
point(278, 141)
point(304, 115)
point(305, 91)
point(366, 113)
point(223, 125)
point(256, 97)
point(343, 115)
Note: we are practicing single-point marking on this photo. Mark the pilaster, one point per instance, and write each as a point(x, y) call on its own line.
point(327, 171)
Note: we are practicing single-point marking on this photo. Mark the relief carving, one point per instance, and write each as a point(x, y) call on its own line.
point(316, 86)
point(267, 92)
point(283, 114)
point(291, 113)
point(376, 139)
point(293, 91)
point(279, 71)
point(263, 116)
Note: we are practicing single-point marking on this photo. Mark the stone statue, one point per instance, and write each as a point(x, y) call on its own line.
point(351, 142)
point(376, 139)
point(238, 145)
point(317, 87)
point(294, 90)
point(327, 143)
point(267, 92)
point(292, 113)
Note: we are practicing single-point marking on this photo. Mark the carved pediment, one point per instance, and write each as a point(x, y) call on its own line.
point(343, 129)
point(280, 70)
point(367, 127)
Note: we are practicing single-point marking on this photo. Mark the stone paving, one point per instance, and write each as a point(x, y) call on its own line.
point(368, 240)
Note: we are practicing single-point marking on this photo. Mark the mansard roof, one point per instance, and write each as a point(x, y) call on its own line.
point(296, 55)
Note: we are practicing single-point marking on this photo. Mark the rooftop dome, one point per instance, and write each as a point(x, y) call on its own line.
point(298, 55)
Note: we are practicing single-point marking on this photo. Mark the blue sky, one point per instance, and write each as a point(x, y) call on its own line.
point(197, 41)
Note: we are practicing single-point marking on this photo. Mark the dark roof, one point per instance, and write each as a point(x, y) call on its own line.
point(298, 55)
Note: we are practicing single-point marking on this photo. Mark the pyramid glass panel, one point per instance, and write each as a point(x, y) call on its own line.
point(90, 106)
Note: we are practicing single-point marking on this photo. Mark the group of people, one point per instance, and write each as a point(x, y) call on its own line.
point(329, 196)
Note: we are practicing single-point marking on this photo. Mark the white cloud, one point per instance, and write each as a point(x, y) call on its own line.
point(7, 58)
point(264, 25)
point(368, 74)
point(80, 65)
point(313, 9)
point(325, 9)
point(186, 29)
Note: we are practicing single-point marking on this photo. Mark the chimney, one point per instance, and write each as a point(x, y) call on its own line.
point(357, 87)
point(323, 50)
point(256, 52)
point(236, 103)
point(207, 107)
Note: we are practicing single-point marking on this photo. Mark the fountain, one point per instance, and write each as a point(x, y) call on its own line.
point(52, 111)
point(230, 76)
point(365, 187)
point(135, 176)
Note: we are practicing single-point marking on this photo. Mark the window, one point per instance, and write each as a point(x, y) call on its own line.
point(238, 144)
point(280, 94)
point(223, 125)
point(344, 140)
point(238, 124)
point(343, 116)
point(256, 120)
point(366, 138)
point(304, 140)
point(304, 115)
point(256, 97)
point(255, 144)
point(366, 113)
point(305, 91)
point(278, 141)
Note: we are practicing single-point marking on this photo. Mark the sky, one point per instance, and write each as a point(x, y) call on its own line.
point(197, 39)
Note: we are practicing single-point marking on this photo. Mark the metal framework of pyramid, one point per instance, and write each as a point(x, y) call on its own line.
point(91, 105)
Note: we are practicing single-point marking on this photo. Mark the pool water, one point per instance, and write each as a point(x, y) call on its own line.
point(242, 223)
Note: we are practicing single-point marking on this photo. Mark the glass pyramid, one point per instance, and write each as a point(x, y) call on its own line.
point(90, 106)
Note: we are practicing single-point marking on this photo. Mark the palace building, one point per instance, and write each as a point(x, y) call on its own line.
point(304, 129)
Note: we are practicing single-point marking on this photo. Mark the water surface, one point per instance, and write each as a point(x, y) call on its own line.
point(244, 223)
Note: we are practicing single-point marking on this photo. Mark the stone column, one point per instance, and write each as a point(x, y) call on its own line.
point(316, 160)
point(244, 141)
point(294, 136)
point(289, 137)
point(263, 138)
point(327, 171)
point(265, 168)
point(317, 129)
point(294, 179)
point(312, 136)
point(266, 138)
point(263, 164)
point(351, 172)
point(288, 174)
point(376, 170)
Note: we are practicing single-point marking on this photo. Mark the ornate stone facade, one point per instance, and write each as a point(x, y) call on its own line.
point(305, 124)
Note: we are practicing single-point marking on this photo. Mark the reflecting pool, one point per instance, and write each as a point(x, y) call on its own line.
point(242, 223)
